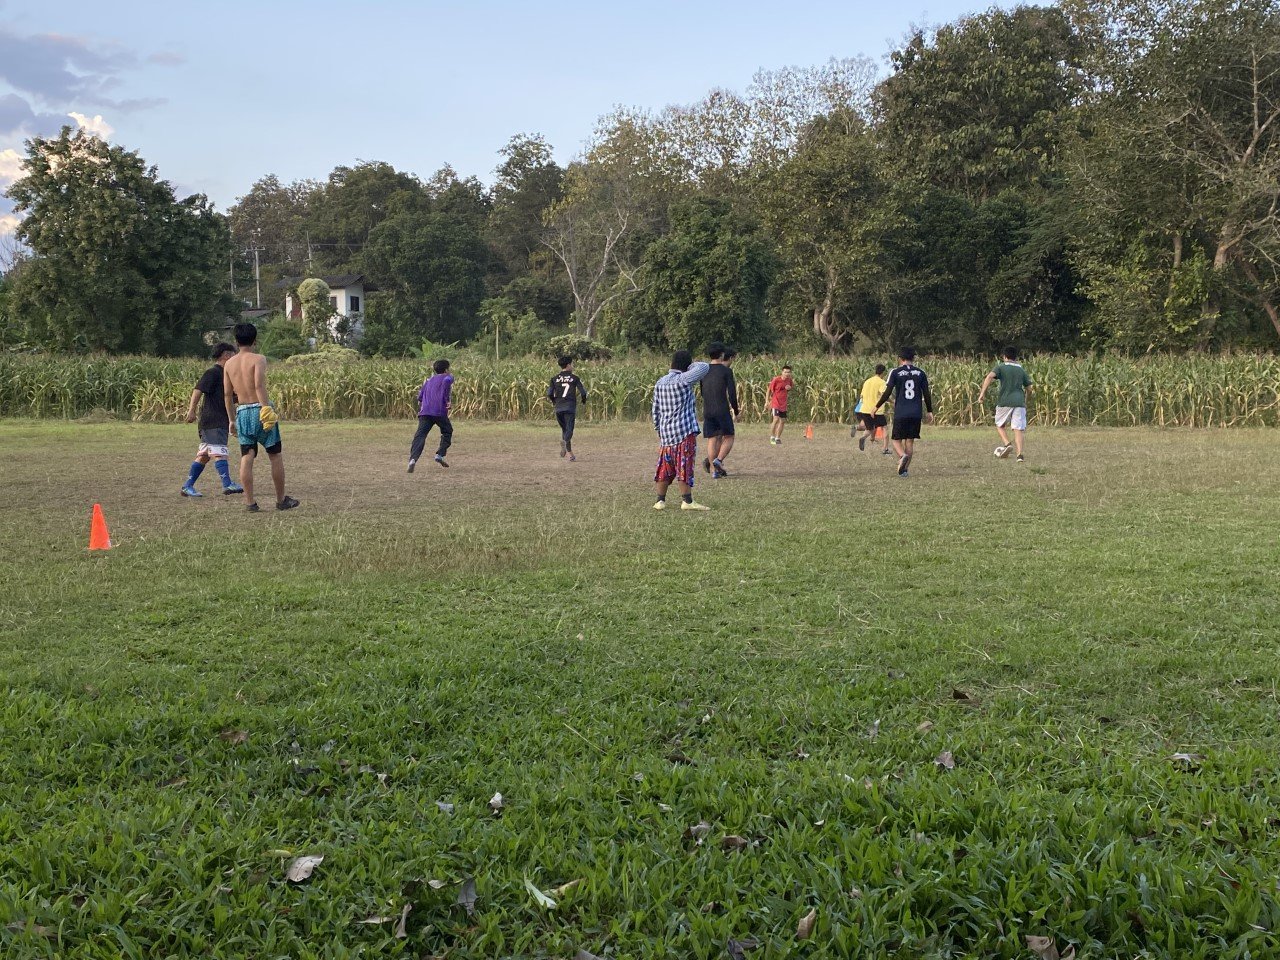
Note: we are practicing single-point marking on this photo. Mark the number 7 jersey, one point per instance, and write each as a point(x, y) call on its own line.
point(564, 391)
point(909, 388)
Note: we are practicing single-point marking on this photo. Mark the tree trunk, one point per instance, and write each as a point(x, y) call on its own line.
point(1211, 309)
point(1262, 296)
point(824, 316)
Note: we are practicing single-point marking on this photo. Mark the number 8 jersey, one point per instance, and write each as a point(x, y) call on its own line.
point(909, 388)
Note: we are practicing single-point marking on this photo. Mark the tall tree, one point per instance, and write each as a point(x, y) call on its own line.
point(118, 263)
point(1179, 176)
point(708, 278)
point(271, 219)
point(979, 105)
point(354, 200)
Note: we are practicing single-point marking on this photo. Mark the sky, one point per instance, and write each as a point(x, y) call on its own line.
point(219, 95)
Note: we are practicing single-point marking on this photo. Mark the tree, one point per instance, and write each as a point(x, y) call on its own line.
point(827, 207)
point(708, 278)
point(271, 219)
point(117, 263)
point(354, 200)
point(317, 310)
point(979, 105)
point(1178, 177)
point(430, 268)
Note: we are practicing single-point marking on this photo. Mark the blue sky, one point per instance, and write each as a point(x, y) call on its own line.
point(217, 95)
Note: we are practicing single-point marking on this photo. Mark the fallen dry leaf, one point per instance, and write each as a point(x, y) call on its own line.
point(174, 782)
point(564, 888)
point(945, 760)
point(958, 694)
point(925, 726)
point(35, 929)
point(1043, 947)
point(855, 893)
point(374, 921)
point(804, 929)
point(697, 831)
point(302, 867)
point(233, 737)
point(1188, 761)
point(712, 906)
point(664, 808)
point(496, 803)
point(540, 898)
point(446, 808)
point(585, 955)
point(738, 948)
point(734, 842)
point(437, 884)
point(401, 927)
point(467, 896)
point(873, 731)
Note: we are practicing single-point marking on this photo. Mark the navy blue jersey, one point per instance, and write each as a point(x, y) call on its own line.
point(909, 388)
point(564, 390)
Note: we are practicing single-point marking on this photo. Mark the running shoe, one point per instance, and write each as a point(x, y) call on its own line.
point(189, 491)
point(660, 505)
point(288, 503)
point(412, 464)
point(234, 488)
point(440, 460)
point(692, 505)
point(862, 443)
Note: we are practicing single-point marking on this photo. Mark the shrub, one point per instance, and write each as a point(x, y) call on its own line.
point(576, 346)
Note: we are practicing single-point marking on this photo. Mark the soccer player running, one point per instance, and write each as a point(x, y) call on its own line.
point(872, 389)
point(719, 397)
point(563, 391)
point(779, 392)
point(255, 421)
point(1011, 401)
point(676, 420)
point(213, 425)
point(912, 403)
point(434, 400)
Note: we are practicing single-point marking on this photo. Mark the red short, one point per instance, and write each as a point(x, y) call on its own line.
point(676, 463)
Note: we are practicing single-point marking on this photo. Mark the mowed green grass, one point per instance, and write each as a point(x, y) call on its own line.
point(785, 670)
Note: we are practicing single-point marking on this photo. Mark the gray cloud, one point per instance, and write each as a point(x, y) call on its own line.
point(18, 119)
point(60, 69)
point(167, 58)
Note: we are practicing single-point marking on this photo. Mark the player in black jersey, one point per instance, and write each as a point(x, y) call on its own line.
point(912, 403)
point(563, 391)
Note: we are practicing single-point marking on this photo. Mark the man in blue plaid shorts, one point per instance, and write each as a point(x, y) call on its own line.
point(675, 417)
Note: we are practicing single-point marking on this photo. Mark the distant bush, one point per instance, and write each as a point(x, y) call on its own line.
point(279, 339)
point(576, 346)
point(327, 354)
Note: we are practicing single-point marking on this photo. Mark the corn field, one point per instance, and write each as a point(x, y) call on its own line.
point(1189, 391)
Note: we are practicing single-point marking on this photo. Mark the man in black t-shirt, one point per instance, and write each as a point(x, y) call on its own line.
point(912, 403)
point(213, 424)
point(563, 391)
point(719, 396)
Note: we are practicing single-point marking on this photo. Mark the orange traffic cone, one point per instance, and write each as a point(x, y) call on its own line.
point(99, 539)
point(808, 432)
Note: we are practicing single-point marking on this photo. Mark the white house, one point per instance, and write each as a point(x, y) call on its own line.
point(346, 295)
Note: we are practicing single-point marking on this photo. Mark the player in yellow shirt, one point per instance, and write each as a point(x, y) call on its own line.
point(873, 424)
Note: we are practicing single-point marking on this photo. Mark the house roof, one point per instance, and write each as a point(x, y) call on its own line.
point(335, 282)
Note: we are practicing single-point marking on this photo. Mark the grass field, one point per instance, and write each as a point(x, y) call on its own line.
point(716, 723)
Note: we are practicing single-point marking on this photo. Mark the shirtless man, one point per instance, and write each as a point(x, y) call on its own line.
point(254, 420)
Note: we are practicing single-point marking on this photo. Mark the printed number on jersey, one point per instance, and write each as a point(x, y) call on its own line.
point(909, 389)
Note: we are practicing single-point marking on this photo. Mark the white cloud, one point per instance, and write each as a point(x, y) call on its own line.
point(10, 166)
point(8, 224)
point(94, 125)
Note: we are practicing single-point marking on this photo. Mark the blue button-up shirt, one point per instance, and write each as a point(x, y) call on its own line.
point(674, 414)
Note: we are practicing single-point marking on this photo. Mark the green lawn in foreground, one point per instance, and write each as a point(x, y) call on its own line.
point(785, 669)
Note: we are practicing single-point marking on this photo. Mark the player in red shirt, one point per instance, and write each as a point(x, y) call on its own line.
point(779, 389)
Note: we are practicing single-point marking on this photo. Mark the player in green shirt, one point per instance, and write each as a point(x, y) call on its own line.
point(1011, 401)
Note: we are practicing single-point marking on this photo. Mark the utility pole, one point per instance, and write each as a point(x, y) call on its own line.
point(232, 261)
point(257, 274)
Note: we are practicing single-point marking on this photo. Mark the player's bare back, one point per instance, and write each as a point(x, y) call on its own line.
point(247, 375)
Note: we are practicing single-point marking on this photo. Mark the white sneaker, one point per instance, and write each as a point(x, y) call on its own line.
point(692, 505)
point(660, 505)
point(1003, 452)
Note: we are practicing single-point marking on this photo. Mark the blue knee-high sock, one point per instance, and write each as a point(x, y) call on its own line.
point(224, 471)
point(197, 468)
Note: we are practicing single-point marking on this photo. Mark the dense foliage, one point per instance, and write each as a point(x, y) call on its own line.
point(1093, 174)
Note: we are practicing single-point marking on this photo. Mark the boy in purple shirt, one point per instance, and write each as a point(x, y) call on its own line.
point(433, 411)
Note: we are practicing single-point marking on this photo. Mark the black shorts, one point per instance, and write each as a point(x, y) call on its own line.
point(906, 428)
point(780, 414)
point(873, 420)
point(248, 448)
point(717, 425)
